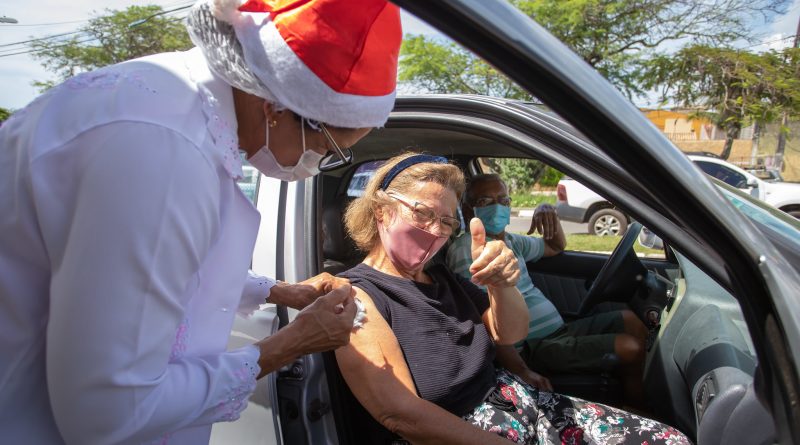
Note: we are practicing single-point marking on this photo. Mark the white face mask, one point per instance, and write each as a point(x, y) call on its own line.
point(306, 167)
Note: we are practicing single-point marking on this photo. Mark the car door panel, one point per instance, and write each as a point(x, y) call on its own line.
point(565, 278)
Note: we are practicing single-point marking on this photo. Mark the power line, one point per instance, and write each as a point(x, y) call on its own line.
point(41, 38)
point(17, 25)
point(29, 51)
point(54, 46)
point(132, 24)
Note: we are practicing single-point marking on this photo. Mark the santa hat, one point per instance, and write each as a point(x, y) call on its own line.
point(334, 61)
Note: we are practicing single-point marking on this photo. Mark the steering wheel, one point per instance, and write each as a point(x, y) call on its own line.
point(610, 279)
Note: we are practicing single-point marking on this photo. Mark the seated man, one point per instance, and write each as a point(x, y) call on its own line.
point(552, 346)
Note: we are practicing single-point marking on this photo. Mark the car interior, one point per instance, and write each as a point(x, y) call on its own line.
point(700, 360)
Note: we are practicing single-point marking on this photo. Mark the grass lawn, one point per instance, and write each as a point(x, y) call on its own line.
point(531, 200)
point(594, 243)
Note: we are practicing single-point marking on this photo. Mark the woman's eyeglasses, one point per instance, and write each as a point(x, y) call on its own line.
point(426, 216)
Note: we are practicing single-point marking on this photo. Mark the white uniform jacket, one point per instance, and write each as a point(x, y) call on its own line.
point(124, 247)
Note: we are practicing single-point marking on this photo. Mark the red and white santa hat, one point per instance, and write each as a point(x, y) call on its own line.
point(334, 61)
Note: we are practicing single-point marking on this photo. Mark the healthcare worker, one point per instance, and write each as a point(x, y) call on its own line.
point(125, 241)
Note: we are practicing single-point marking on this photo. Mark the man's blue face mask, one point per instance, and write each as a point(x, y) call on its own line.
point(494, 217)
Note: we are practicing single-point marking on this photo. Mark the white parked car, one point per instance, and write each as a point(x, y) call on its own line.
point(781, 195)
point(578, 203)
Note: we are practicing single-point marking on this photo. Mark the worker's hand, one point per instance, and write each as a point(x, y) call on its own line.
point(493, 263)
point(545, 221)
point(302, 294)
point(326, 323)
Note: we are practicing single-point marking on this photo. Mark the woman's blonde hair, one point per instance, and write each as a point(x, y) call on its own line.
point(359, 218)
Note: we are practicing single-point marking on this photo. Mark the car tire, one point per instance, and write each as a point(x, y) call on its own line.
point(608, 222)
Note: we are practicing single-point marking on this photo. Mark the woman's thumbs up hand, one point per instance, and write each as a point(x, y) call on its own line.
point(493, 263)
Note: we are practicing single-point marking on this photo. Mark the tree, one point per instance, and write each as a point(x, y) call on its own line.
point(110, 39)
point(4, 114)
point(613, 36)
point(738, 88)
point(436, 67)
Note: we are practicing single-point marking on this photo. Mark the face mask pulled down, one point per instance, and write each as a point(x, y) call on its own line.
point(408, 246)
point(306, 167)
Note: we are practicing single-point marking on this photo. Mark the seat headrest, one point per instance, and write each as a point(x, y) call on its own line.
point(336, 244)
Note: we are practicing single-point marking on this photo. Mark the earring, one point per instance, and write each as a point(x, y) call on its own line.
point(273, 123)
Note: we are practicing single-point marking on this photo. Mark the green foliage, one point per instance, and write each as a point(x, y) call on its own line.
point(520, 175)
point(616, 37)
point(738, 87)
point(550, 177)
point(108, 39)
point(4, 114)
point(448, 68)
point(531, 199)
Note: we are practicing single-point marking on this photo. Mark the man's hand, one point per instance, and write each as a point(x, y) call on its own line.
point(326, 323)
point(545, 221)
point(493, 263)
point(300, 295)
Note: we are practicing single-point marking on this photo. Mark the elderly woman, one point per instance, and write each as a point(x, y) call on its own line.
point(422, 364)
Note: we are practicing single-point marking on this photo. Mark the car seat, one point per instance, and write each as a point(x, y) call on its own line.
point(338, 249)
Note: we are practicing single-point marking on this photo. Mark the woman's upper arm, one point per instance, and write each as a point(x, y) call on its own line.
point(373, 365)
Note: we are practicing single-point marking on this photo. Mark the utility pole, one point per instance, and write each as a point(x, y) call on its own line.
point(785, 120)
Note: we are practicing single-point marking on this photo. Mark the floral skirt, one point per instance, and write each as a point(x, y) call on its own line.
point(523, 414)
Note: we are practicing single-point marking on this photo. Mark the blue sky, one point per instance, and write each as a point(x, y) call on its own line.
point(17, 72)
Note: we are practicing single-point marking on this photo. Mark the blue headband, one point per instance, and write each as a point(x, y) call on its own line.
point(408, 162)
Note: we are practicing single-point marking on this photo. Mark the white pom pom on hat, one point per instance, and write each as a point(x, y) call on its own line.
point(334, 61)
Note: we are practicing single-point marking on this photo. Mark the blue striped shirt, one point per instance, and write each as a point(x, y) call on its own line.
point(544, 317)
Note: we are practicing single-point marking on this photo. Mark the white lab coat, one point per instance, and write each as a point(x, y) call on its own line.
point(124, 247)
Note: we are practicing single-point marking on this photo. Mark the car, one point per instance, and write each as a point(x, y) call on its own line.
point(249, 182)
point(767, 174)
point(722, 362)
point(578, 203)
point(784, 196)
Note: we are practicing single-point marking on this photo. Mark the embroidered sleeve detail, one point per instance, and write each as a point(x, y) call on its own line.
point(242, 385)
point(222, 132)
point(181, 340)
point(255, 293)
point(107, 79)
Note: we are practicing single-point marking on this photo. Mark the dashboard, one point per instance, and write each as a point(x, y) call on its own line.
point(700, 369)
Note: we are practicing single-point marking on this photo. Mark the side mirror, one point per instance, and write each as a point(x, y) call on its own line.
point(752, 183)
point(650, 240)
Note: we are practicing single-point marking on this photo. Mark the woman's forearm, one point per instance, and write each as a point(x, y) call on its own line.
point(509, 315)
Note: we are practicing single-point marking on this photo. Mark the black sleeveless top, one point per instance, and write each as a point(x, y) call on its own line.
point(439, 328)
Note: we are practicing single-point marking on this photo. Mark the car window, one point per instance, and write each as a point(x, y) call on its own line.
point(361, 177)
point(723, 173)
point(590, 222)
